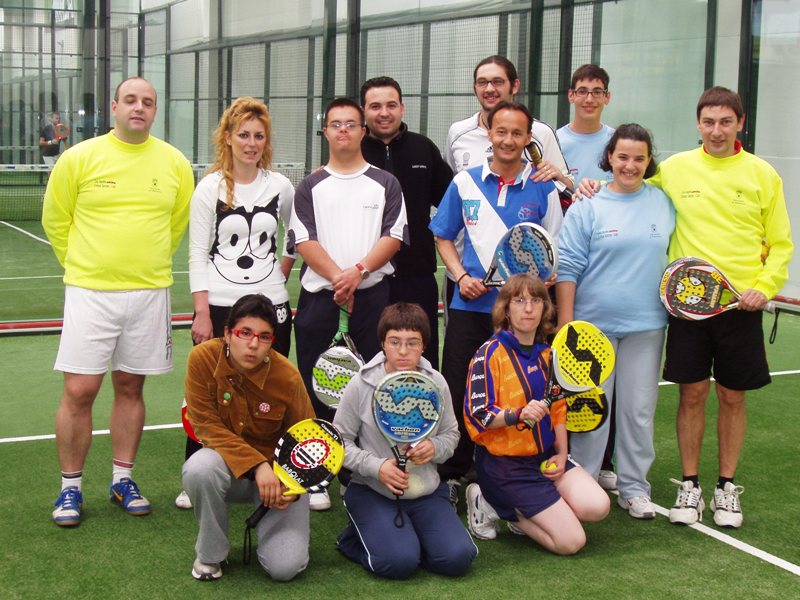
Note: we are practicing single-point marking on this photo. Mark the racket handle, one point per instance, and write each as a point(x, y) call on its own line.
point(257, 515)
point(770, 307)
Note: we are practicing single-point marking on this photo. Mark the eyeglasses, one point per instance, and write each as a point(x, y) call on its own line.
point(349, 125)
point(496, 82)
point(525, 302)
point(397, 343)
point(247, 335)
point(596, 93)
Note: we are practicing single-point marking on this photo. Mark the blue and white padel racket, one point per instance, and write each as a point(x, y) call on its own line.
point(525, 248)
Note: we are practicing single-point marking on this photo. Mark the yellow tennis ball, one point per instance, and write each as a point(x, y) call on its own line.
point(548, 466)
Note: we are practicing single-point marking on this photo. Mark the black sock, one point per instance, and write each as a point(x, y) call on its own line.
point(693, 478)
point(722, 481)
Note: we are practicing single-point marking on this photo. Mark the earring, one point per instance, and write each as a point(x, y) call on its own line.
point(227, 351)
point(266, 360)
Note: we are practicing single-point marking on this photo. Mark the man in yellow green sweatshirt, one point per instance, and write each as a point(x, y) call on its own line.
point(115, 210)
point(728, 203)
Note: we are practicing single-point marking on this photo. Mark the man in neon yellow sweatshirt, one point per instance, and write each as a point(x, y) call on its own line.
point(728, 202)
point(115, 210)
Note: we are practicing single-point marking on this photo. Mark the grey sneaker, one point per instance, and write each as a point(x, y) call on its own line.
point(689, 505)
point(726, 507)
point(514, 528)
point(206, 571)
point(607, 480)
point(639, 507)
point(481, 517)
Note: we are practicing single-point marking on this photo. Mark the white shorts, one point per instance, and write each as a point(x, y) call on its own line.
point(131, 329)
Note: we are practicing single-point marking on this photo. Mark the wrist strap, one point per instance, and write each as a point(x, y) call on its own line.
point(464, 274)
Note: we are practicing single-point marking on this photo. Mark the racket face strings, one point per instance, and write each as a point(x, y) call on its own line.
point(332, 372)
point(585, 356)
point(406, 407)
point(309, 455)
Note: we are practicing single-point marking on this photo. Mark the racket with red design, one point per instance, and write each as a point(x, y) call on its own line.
point(307, 458)
point(694, 289)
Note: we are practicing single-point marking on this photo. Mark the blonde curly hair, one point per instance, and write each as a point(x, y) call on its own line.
point(243, 109)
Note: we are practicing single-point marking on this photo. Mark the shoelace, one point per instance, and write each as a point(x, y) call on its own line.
point(70, 499)
point(130, 489)
point(687, 498)
point(730, 500)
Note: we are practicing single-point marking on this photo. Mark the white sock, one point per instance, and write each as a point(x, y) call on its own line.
point(120, 470)
point(74, 479)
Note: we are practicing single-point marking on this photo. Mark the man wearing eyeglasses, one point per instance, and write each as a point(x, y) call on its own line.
point(585, 137)
point(348, 221)
point(424, 176)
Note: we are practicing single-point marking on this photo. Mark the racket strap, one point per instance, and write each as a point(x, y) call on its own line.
point(774, 332)
point(250, 524)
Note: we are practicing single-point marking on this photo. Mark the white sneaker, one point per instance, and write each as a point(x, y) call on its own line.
point(726, 507)
point(182, 501)
point(481, 518)
point(319, 500)
point(452, 489)
point(607, 479)
point(689, 505)
point(206, 571)
point(639, 507)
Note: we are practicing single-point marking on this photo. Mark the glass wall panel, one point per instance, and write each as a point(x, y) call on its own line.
point(777, 126)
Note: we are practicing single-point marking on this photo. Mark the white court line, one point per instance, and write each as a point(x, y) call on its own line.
point(732, 541)
point(28, 233)
point(52, 436)
point(773, 374)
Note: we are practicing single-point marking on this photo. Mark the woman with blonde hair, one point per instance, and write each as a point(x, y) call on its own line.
point(233, 230)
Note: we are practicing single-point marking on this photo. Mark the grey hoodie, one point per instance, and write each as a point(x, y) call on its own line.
point(354, 419)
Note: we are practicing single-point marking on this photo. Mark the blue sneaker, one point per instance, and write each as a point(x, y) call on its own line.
point(126, 494)
point(68, 507)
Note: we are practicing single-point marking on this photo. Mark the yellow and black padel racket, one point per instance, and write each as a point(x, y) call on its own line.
point(581, 359)
point(307, 458)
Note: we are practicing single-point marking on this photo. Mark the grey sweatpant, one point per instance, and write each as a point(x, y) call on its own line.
point(282, 534)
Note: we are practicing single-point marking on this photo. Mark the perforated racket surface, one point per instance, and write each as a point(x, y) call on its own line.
point(586, 411)
point(525, 248)
point(335, 367)
point(307, 458)
point(585, 356)
point(406, 406)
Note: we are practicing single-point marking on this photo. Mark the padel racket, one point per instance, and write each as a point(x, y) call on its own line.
point(307, 458)
point(337, 365)
point(581, 359)
point(694, 289)
point(406, 406)
point(61, 131)
point(525, 248)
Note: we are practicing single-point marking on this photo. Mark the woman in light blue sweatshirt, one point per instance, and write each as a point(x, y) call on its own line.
point(612, 253)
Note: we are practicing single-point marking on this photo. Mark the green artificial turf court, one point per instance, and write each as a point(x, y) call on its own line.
point(111, 553)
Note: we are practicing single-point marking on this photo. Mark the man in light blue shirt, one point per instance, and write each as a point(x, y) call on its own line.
point(584, 139)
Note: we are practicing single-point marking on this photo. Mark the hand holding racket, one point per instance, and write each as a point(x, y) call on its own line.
point(307, 458)
point(525, 248)
point(694, 289)
point(335, 367)
point(406, 406)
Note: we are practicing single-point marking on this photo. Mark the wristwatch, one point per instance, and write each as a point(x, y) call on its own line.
point(364, 271)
